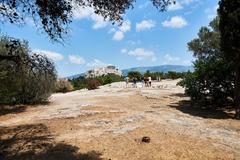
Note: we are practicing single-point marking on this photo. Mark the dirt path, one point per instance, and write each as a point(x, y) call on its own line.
point(109, 123)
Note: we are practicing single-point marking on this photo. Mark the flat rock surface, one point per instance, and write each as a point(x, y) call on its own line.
point(109, 123)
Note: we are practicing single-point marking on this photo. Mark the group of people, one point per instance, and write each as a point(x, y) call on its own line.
point(146, 81)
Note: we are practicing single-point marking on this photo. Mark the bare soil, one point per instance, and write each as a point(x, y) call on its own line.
point(109, 123)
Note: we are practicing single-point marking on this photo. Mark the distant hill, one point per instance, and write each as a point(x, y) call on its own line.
point(162, 68)
point(76, 76)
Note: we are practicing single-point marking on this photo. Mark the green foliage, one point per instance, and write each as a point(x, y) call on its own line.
point(173, 75)
point(25, 78)
point(212, 81)
point(79, 83)
point(82, 82)
point(63, 86)
point(109, 78)
point(93, 84)
point(168, 75)
point(229, 13)
point(147, 74)
point(135, 74)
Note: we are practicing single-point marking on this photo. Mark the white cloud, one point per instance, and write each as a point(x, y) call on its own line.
point(175, 22)
point(124, 50)
point(169, 59)
point(88, 13)
point(97, 63)
point(76, 59)
point(131, 42)
point(211, 12)
point(52, 55)
point(141, 54)
point(81, 13)
point(126, 26)
point(188, 1)
point(175, 6)
point(118, 36)
point(99, 21)
point(112, 30)
point(145, 24)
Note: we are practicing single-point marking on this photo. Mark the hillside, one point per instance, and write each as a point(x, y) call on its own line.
point(162, 68)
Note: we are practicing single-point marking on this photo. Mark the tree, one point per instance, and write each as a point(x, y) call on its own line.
point(229, 13)
point(147, 74)
point(53, 16)
point(211, 82)
point(134, 74)
point(25, 78)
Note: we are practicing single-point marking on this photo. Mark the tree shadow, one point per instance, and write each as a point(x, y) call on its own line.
point(18, 108)
point(14, 109)
point(186, 106)
point(34, 142)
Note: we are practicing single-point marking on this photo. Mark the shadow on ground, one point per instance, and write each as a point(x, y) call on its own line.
point(34, 142)
point(6, 109)
point(186, 106)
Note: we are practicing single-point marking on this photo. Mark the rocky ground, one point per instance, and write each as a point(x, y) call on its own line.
point(109, 123)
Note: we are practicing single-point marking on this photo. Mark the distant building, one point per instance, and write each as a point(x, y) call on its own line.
point(103, 71)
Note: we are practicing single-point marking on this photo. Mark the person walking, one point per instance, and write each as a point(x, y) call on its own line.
point(127, 81)
point(134, 82)
point(150, 81)
point(146, 81)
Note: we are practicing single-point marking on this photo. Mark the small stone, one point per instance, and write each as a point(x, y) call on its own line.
point(146, 139)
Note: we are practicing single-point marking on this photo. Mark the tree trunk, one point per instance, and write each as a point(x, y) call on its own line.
point(237, 92)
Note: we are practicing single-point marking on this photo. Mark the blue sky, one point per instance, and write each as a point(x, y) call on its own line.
point(146, 38)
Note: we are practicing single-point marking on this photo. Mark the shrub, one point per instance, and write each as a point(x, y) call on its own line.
point(63, 86)
point(82, 82)
point(25, 78)
point(93, 84)
point(109, 78)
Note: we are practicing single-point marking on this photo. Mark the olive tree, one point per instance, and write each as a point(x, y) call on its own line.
point(24, 77)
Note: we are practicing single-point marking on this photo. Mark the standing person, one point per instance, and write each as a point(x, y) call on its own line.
point(146, 81)
point(127, 81)
point(134, 82)
point(142, 80)
point(150, 81)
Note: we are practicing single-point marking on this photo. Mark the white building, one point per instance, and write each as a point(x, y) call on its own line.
point(103, 71)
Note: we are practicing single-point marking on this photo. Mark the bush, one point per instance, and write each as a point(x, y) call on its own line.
point(93, 84)
point(63, 86)
point(109, 78)
point(25, 78)
point(82, 82)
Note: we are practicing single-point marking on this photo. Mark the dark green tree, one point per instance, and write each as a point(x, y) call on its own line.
point(135, 74)
point(147, 74)
point(229, 13)
point(211, 82)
